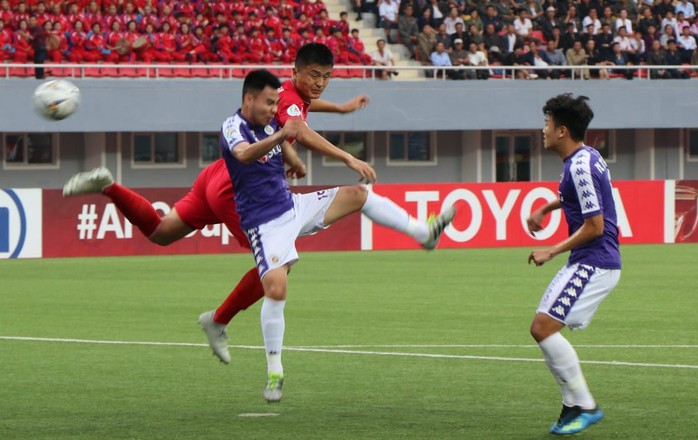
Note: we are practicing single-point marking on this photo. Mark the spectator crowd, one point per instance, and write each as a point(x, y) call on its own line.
point(610, 34)
point(232, 32)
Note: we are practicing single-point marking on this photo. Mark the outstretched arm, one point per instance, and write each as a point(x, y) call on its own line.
point(356, 103)
point(311, 140)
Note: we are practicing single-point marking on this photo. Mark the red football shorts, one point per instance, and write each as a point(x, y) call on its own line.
point(211, 200)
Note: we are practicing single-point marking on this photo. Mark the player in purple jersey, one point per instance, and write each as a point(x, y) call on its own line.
point(593, 268)
point(272, 217)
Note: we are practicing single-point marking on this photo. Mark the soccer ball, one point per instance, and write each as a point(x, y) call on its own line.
point(57, 99)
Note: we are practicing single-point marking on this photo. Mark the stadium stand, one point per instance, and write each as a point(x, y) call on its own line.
point(120, 36)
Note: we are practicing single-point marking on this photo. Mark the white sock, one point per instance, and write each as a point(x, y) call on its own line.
point(385, 212)
point(563, 362)
point(273, 325)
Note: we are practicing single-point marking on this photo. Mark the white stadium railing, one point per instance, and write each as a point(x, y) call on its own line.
point(221, 71)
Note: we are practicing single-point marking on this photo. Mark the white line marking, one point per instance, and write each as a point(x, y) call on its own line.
point(341, 351)
point(258, 415)
point(492, 346)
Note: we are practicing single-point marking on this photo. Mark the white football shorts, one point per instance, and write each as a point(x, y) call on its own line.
point(274, 243)
point(575, 293)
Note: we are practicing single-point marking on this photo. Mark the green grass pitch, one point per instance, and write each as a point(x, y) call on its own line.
point(382, 345)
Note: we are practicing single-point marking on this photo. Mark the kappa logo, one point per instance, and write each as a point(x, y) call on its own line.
point(269, 130)
point(293, 110)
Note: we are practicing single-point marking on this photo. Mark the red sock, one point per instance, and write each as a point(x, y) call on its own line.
point(135, 208)
point(248, 291)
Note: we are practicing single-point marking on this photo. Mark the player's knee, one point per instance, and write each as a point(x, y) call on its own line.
point(541, 328)
point(357, 193)
point(275, 291)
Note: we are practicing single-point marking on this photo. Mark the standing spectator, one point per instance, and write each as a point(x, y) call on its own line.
point(657, 57)
point(624, 21)
point(523, 24)
point(687, 45)
point(426, 44)
point(577, 56)
point(388, 11)
point(408, 29)
point(451, 21)
point(478, 58)
point(594, 58)
point(555, 58)
point(39, 35)
point(686, 7)
point(459, 57)
point(592, 18)
point(440, 57)
point(548, 22)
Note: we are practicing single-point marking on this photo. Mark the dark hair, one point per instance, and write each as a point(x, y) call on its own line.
point(314, 53)
point(570, 112)
point(258, 80)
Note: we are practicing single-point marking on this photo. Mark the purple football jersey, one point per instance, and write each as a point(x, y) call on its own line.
point(261, 191)
point(585, 191)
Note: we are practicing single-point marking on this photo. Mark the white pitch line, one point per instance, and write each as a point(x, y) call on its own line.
point(341, 351)
point(493, 346)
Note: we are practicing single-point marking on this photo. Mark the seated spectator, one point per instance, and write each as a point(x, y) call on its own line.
point(669, 34)
point(522, 24)
point(650, 37)
point(571, 18)
point(549, 22)
point(408, 30)
point(685, 7)
point(604, 41)
point(538, 58)
point(517, 58)
point(61, 51)
point(443, 37)
point(388, 11)
point(556, 58)
point(576, 56)
point(535, 11)
point(681, 22)
point(624, 42)
point(478, 58)
point(453, 19)
point(624, 21)
point(474, 35)
point(491, 38)
point(646, 21)
point(440, 57)
point(657, 57)
point(439, 11)
point(568, 37)
point(364, 6)
point(492, 18)
point(459, 57)
point(504, 11)
point(460, 34)
point(510, 40)
point(592, 18)
point(673, 58)
point(686, 44)
point(356, 49)
point(24, 50)
point(7, 48)
point(619, 58)
point(338, 46)
point(426, 19)
point(475, 20)
point(638, 48)
point(670, 20)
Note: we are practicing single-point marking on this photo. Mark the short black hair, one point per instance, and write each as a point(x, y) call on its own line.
point(568, 111)
point(314, 53)
point(258, 80)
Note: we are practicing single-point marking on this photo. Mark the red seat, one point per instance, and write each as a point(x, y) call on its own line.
point(237, 73)
point(358, 73)
point(285, 73)
point(165, 71)
point(93, 72)
point(199, 71)
point(340, 73)
point(21, 72)
point(129, 72)
point(181, 70)
point(110, 71)
point(538, 35)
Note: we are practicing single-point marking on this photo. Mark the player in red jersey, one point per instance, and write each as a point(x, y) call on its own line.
point(210, 201)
